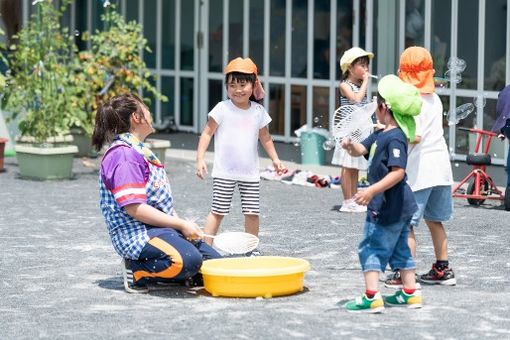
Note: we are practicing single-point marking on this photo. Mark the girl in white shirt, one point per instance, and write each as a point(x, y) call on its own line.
point(237, 125)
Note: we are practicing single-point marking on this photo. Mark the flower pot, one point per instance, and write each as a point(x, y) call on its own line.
point(158, 147)
point(55, 141)
point(3, 141)
point(45, 163)
point(83, 142)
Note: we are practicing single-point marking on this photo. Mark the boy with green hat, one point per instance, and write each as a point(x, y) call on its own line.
point(390, 201)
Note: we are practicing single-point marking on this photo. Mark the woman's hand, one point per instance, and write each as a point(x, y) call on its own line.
point(191, 231)
point(201, 169)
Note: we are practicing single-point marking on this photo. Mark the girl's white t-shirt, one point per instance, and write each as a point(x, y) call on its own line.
point(428, 162)
point(236, 140)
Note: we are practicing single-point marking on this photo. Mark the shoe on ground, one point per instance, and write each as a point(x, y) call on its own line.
point(394, 281)
point(253, 253)
point(346, 206)
point(287, 178)
point(358, 208)
point(401, 299)
point(335, 183)
point(269, 174)
point(444, 277)
point(362, 304)
point(129, 285)
point(301, 177)
point(352, 207)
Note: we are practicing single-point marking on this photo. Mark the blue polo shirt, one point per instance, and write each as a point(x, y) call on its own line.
point(386, 150)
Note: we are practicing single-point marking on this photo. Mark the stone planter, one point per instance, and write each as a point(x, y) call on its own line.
point(3, 141)
point(45, 163)
point(84, 143)
point(55, 141)
point(158, 146)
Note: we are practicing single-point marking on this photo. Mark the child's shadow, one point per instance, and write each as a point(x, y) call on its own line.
point(166, 291)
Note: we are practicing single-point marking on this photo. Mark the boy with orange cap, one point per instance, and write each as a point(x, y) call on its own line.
point(237, 125)
point(429, 171)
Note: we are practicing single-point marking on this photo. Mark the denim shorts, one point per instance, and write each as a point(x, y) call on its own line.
point(434, 204)
point(383, 244)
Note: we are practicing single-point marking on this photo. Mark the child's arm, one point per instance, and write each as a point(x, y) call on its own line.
point(268, 145)
point(354, 149)
point(395, 175)
point(154, 217)
point(203, 144)
point(346, 90)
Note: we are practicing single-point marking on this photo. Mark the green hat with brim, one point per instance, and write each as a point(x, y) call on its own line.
point(404, 100)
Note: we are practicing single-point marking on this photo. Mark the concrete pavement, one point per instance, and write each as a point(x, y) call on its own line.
point(61, 278)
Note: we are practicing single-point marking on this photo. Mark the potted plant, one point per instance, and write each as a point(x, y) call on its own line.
point(114, 65)
point(42, 93)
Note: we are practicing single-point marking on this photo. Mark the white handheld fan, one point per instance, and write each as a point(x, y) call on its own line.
point(234, 243)
point(354, 122)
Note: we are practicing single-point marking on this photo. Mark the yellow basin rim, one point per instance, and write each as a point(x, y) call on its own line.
point(260, 266)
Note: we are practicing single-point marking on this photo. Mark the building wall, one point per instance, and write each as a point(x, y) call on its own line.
point(297, 44)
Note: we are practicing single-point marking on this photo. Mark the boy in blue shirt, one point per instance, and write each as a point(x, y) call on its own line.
point(389, 200)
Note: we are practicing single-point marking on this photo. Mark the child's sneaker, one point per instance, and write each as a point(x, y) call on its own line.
point(253, 253)
point(301, 177)
point(287, 178)
point(129, 284)
point(346, 206)
point(394, 281)
point(401, 299)
point(268, 174)
point(362, 304)
point(335, 183)
point(444, 277)
point(358, 208)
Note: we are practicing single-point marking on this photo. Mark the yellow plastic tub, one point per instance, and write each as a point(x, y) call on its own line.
point(264, 276)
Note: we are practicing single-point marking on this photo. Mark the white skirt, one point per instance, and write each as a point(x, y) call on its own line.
point(342, 158)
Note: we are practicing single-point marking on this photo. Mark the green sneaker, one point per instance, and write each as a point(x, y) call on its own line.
point(362, 304)
point(401, 299)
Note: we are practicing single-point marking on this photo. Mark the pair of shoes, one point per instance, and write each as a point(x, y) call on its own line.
point(352, 207)
point(323, 182)
point(287, 178)
point(318, 181)
point(444, 277)
point(129, 285)
point(270, 174)
point(362, 304)
point(194, 281)
point(301, 177)
point(394, 281)
point(401, 299)
point(335, 183)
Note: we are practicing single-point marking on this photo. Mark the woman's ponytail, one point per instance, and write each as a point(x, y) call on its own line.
point(113, 118)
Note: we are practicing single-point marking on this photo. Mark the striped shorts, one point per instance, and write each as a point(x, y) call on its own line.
point(223, 191)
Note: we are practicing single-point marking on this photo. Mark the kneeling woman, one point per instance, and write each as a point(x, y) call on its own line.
point(137, 204)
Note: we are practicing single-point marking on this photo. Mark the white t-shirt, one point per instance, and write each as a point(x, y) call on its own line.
point(428, 162)
point(236, 140)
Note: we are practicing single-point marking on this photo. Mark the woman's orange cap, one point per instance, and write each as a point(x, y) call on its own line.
point(241, 65)
point(417, 68)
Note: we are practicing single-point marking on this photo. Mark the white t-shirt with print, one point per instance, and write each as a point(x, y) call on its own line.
point(428, 162)
point(236, 140)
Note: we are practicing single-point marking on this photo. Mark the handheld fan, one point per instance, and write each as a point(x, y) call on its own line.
point(234, 243)
point(354, 122)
